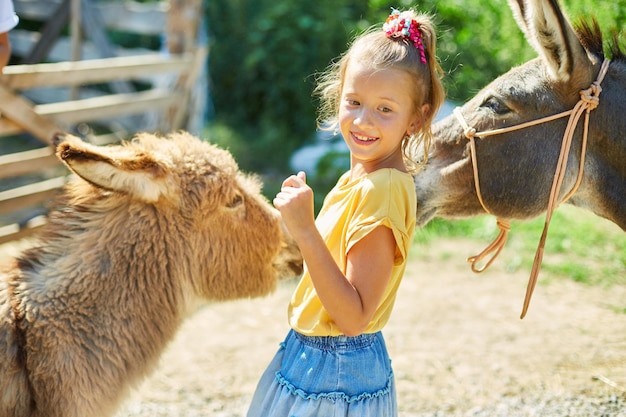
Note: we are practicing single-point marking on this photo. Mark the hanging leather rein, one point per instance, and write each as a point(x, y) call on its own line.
point(589, 100)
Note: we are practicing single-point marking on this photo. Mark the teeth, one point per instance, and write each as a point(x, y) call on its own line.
point(364, 138)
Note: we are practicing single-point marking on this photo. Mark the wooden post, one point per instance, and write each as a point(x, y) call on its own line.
point(21, 111)
point(75, 22)
point(182, 25)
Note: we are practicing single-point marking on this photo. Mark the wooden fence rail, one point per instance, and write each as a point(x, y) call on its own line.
point(30, 178)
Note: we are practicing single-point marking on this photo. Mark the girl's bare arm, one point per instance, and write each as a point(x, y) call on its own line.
point(350, 299)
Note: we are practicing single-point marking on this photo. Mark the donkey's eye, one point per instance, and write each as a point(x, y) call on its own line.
point(496, 106)
point(235, 202)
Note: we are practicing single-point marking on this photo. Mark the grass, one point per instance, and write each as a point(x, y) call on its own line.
point(580, 246)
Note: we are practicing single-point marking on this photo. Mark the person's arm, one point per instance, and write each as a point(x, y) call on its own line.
point(350, 299)
point(5, 49)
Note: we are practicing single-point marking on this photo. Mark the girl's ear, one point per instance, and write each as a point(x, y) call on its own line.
point(420, 116)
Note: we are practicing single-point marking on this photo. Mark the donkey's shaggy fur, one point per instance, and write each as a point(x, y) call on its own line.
point(147, 231)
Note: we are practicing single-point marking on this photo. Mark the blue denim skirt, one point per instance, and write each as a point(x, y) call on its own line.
point(328, 376)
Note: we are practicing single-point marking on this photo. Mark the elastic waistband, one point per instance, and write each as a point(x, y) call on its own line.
point(338, 342)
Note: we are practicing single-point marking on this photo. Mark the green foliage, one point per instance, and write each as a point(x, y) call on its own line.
point(264, 54)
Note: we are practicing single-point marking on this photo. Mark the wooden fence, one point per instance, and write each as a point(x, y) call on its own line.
point(105, 98)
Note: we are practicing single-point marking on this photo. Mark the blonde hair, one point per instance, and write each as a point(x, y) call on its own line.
point(376, 49)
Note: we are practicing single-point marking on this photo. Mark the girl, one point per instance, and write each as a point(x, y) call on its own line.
point(382, 95)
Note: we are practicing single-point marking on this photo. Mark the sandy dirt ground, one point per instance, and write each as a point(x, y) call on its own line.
point(457, 344)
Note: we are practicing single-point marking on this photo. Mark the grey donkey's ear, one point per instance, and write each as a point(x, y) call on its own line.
point(551, 35)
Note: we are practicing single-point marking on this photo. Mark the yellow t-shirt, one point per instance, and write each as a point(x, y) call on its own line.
point(351, 210)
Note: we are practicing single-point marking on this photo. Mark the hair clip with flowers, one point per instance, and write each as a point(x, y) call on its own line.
point(402, 25)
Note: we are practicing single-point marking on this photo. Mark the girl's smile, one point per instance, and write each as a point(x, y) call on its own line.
point(362, 138)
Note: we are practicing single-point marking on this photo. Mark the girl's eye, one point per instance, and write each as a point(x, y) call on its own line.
point(384, 109)
point(353, 102)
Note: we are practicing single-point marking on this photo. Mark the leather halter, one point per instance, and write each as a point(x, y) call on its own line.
point(589, 100)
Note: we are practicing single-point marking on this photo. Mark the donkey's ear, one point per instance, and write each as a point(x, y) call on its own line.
point(518, 6)
point(551, 35)
point(115, 168)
